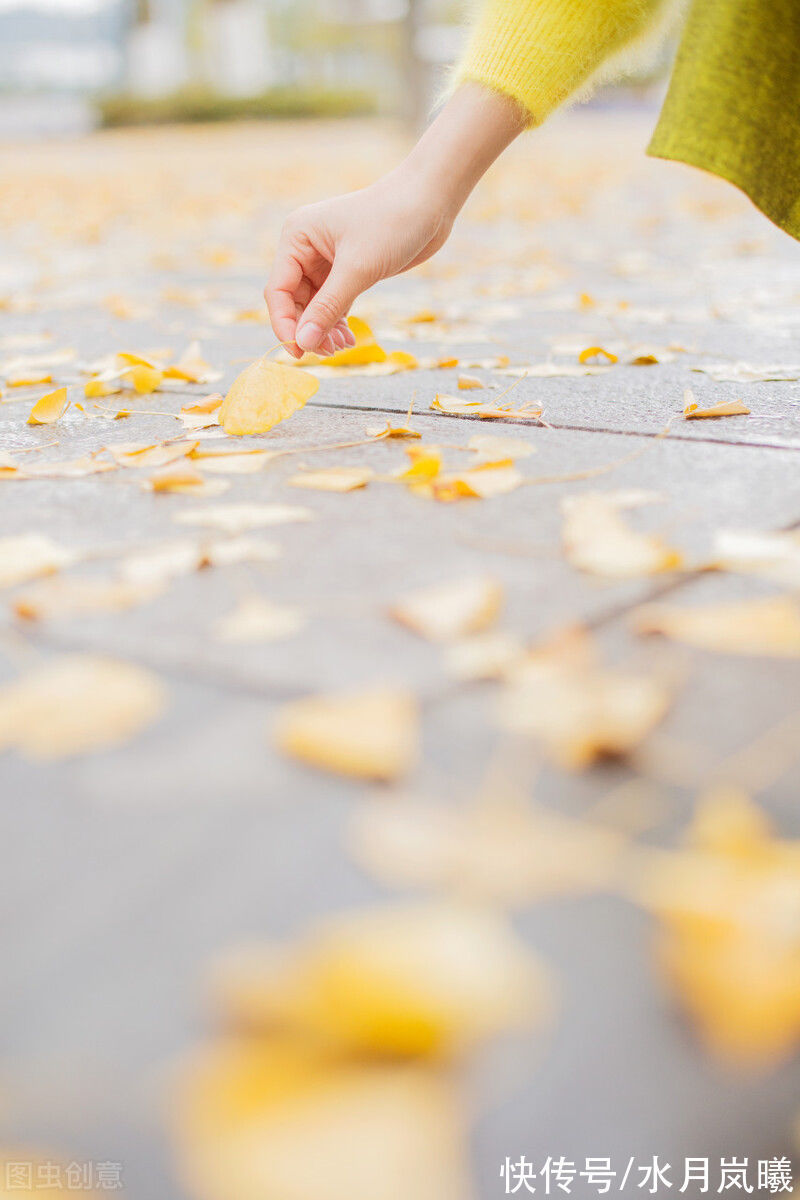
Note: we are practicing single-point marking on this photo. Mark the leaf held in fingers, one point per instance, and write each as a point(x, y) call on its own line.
point(368, 734)
point(265, 393)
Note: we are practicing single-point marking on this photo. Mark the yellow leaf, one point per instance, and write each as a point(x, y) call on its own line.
point(414, 980)
point(186, 482)
point(249, 1111)
point(426, 462)
point(425, 316)
point(392, 431)
point(450, 610)
point(64, 597)
point(191, 366)
point(50, 408)
point(95, 389)
point(467, 383)
point(334, 479)
point(264, 394)
point(144, 379)
point(769, 627)
point(490, 448)
point(597, 540)
point(76, 704)
point(258, 620)
point(459, 406)
point(596, 352)
point(725, 408)
point(367, 734)
point(728, 943)
point(28, 378)
point(143, 454)
point(30, 555)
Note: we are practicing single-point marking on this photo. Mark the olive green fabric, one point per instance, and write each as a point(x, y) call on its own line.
point(733, 106)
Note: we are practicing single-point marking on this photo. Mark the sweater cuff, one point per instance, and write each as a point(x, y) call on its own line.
point(541, 51)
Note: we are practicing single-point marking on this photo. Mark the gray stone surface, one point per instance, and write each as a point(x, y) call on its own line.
point(126, 870)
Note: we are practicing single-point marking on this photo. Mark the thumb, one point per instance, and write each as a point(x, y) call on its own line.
point(331, 303)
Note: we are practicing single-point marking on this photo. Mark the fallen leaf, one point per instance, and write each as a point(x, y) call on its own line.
point(456, 406)
point(369, 734)
point(148, 454)
point(490, 448)
point(596, 352)
point(580, 711)
point(768, 627)
point(482, 656)
point(49, 408)
point(742, 372)
point(493, 850)
point(450, 610)
point(725, 408)
point(424, 979)
point(598, 541)
point(728, 942)
point(467, 383)
point(239, 518)
point(236, 462)
point(264, 394)
point(144, 378)
point(63, 598)
point(249, 1111)
point(773, 556)
point(77, 704)
point(28, 556)
point(258, 620)
point(184, 481)
point(392, 431)
point(333, 479)
point(192, 367)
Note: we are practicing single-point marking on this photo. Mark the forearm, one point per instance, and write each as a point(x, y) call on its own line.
point(472, 129)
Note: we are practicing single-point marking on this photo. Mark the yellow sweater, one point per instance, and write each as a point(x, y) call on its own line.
point(542, 51)
point(733, 105)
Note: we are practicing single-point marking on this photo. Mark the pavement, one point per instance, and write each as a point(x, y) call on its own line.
point(127, 869)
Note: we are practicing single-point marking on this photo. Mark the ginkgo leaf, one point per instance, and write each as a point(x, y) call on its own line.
point(258, 620)
point(742, 372)
point(725, 408)
point(467, 383)
point(265, 393)
point(28, 556)
point(482, 483)
point(491, 448)
point(727, 942)
point(579, 711)
point(426, 462)
point(186, 482)
point(28, 378)
point(494, 850)
point(77, 704)
point(144, 378)
point(597, 540)
point(766, 626)
point(61, 598)
point(236, 462)
point(483, 656)
point(248, 1111)
point(370, 734)
point(450, 610)
point(456, 406)
point(144, 454)
point(334, 479)
point(239, 518)
point(773, 556)
point(417, 980)
point(49, 408)
point(596, 352)
point(400, 432)
point(96, 389)
point(191, 366)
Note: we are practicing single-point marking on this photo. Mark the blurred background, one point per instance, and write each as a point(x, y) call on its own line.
point(69, 65)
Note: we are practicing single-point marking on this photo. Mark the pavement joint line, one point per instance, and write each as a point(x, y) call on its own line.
point(657, 434)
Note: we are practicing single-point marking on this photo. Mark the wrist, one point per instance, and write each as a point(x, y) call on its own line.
point(471, 131)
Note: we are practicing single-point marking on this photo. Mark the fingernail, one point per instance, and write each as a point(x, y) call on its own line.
point(339, 338)
point(328, 346)
point(349, 337)
point(309, 336)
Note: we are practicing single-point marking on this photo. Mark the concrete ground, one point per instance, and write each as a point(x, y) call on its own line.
point(125, 870)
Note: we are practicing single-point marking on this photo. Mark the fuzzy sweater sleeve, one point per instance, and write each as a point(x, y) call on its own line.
point(541, 51)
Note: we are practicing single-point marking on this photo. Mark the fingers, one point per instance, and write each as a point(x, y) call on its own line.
point(280, 292)
point(323, 321)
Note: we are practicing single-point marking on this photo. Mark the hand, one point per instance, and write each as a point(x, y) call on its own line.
point(329, 253)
